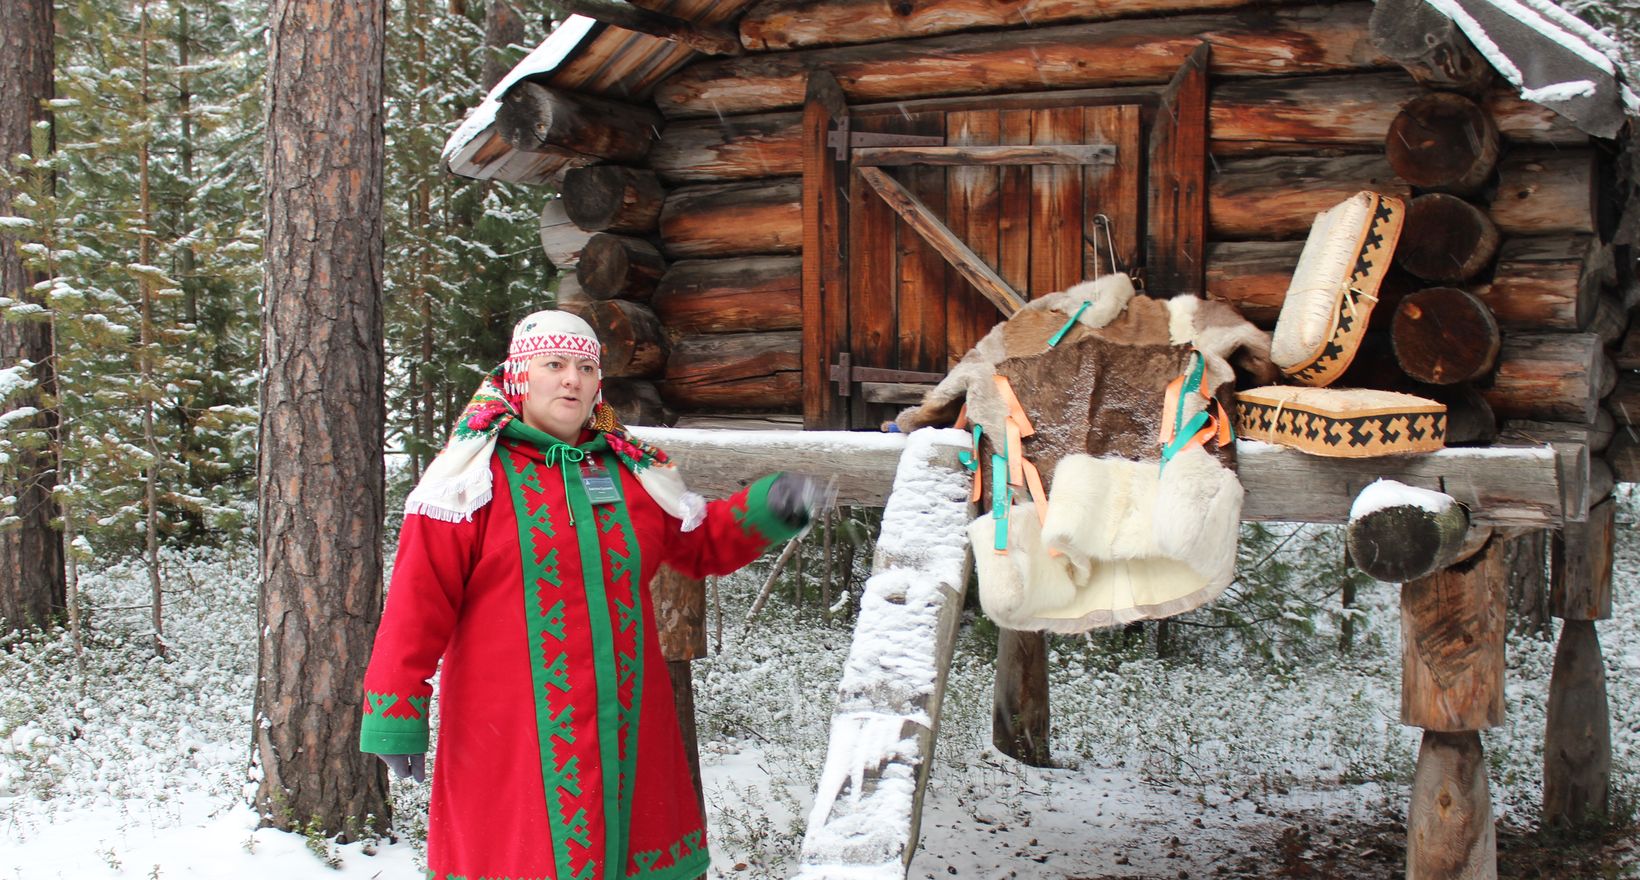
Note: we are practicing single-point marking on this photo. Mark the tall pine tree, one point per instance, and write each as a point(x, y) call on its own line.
point(31, 560)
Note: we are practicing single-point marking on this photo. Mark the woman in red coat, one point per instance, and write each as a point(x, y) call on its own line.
point(524, 562)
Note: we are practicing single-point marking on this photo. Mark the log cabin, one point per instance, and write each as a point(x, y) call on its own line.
point(799, 213)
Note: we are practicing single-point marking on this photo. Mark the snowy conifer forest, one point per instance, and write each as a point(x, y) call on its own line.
point(1255, 738)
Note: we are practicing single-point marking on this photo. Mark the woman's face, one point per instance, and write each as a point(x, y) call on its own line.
point(560, 395)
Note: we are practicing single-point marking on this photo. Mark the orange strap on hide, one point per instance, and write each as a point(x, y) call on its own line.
point(1015, 411)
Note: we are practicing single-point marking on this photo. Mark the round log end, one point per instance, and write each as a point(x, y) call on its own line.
point(620, 266)
point(1446, 239)
point(630, 335)
point(1443, 141)
point(1406, 541)
point(1443, 335)
point(612, 198)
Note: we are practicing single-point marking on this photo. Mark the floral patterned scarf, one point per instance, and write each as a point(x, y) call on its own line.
point(458, 481)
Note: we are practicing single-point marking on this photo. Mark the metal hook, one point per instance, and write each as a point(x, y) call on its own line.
point(1102, 222)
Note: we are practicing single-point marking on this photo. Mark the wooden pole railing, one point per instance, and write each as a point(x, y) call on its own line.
point(1518, 486)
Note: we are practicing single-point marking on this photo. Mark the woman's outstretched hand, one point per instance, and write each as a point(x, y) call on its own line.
point(407, 765)
point(795, 498)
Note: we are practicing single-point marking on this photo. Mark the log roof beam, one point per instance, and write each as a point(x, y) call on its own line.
point(1129, 52)
point(706, 39)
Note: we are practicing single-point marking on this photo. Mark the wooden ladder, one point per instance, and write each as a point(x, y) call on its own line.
point(868, 804)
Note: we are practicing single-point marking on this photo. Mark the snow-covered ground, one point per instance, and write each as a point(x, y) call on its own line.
point(1222, 761)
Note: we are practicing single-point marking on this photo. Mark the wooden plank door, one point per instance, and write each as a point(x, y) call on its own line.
point(1029, 222)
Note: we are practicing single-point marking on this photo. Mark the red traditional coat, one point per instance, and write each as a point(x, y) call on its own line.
point(559, 750)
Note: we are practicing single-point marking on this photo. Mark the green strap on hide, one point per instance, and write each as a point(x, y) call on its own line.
point(1054, 339)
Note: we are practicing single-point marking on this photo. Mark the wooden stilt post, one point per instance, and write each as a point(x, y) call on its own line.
point(1452, 631)
point(1577, 744)
point(680, 618)
point(1019, 706)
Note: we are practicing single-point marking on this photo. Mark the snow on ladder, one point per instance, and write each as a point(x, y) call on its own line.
point(868, 806)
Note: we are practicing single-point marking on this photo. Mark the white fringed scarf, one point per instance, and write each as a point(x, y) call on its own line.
point(458, 482)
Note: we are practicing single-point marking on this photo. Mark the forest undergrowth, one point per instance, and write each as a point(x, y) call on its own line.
point(1251, 703)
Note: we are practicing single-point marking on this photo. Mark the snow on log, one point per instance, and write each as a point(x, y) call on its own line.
point(868, 805)
point(1501, 486)
point(1399, 532)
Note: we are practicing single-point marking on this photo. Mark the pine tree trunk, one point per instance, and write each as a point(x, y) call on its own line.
point(320, 455)
point(503, 27)
point(145, 360)
point(31, 553)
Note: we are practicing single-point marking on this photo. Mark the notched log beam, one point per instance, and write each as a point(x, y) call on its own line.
point(534, 118)
point(705, 39)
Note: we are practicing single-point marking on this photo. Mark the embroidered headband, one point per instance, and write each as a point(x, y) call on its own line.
point(545, 332)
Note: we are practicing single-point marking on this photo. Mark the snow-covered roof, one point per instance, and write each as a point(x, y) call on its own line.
point(475, 131)
point(1554, 58)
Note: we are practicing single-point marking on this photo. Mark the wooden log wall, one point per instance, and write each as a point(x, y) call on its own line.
point(1303, 111)
point(699, 257)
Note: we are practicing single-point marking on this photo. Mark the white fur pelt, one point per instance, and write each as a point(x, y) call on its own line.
point(1135, 541)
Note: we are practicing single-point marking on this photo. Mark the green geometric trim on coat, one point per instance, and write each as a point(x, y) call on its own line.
point(544, 624)
point(630, 613)
point(381, 734)
point(690, 857)
point(603, 655)
point(753, 516)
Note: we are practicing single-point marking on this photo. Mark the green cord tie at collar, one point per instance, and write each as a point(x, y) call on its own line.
point(561, 454)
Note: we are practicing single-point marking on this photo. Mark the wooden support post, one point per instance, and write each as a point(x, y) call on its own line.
point(1580, 580)
point(1577, 739)
point(1019, 707)
point(1452, 633)
point(1577, 756)
point(680, 621)
point(1452, 627)
point(1449, 826)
